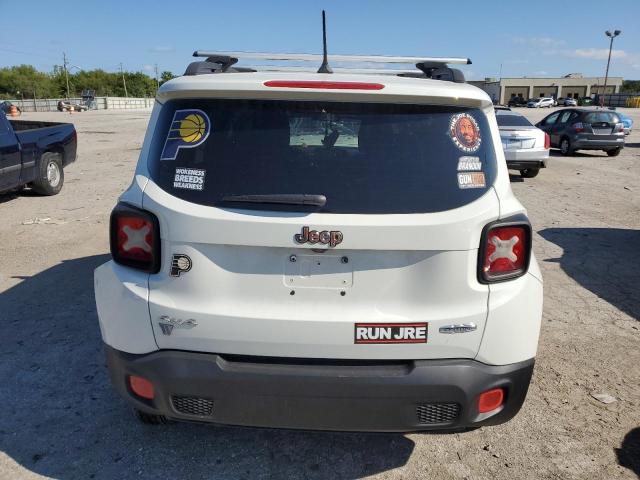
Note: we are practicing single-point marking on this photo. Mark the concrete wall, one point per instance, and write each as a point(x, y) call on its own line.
point(101, 103)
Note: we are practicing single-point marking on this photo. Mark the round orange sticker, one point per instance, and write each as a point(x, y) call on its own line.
point(465, 132)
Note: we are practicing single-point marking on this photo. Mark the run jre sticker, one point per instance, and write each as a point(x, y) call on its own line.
point(189, 129)
point(464, 132)
point(471, 180)
point(189, 179)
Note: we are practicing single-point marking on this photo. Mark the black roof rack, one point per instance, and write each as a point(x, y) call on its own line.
point(214, 64)
point(436, 68)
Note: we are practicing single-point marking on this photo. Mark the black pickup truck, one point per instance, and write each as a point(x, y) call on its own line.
point(35, 154)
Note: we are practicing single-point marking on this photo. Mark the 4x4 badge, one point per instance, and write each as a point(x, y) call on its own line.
point(167, 323)
point(326, 237)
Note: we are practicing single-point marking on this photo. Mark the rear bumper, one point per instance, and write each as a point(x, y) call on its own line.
point(526, 158)
point(597, 144)
point(341, 395)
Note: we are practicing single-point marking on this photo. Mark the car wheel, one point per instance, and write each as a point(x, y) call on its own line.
point(614, 153)
point(50, 175)
point(529, 172)
point(150, 418)
point(565, 147)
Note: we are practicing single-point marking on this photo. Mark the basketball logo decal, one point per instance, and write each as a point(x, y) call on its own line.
point(189, 129)
point(464, 132)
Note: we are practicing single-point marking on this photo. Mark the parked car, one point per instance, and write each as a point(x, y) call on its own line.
point(627, 122)
point(540, 102)
point(586, 101)
point(517, 102)
point(574, 129)
point(71, 107)
point(526, 147)
point(570, 102)
point(35, 154)
point(296, 251)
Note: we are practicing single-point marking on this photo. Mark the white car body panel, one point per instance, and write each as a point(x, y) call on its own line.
point(122, 296)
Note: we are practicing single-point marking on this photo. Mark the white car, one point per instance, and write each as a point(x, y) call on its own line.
point(321, 251)
point(547, 102)
point(526, 147)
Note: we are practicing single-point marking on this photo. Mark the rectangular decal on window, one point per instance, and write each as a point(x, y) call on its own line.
point(469, 164)
point(391, 332)
point(189, 178)
point(471, 180)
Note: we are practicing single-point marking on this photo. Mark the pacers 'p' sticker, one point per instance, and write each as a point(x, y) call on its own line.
point(471, 180)
point(464, 132)
point(189, 129)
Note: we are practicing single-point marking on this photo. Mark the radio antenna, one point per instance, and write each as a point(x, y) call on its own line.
point(324, 68)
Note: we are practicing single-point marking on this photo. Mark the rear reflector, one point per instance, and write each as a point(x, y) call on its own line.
point(505, 251)
point(324, 85)
point(490, 400)
point(135, 238)
point(141, 387)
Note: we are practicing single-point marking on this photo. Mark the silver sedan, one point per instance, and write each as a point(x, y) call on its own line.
point(526, 147)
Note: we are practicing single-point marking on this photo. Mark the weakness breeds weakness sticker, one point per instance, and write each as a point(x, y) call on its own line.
point(391, 332)
point(189, 179)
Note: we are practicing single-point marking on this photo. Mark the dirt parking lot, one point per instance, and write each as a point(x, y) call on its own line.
point(61, 418)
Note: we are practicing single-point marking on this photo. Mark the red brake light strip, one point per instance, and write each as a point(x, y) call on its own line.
point(322, 85)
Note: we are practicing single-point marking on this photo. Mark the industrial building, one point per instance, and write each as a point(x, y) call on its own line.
point(573, 85)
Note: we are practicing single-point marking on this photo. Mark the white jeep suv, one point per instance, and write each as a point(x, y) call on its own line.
point(321, 251)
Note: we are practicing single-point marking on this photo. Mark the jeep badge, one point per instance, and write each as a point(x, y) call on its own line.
point(332, 238)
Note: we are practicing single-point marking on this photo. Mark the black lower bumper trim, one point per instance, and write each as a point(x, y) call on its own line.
point(524, 164)
point(368, 396)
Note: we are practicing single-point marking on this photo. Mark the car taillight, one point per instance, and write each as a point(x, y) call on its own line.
point(578, 127)
point(135, 238)
point(618, 128)
point(547, 141)
point(505, 250)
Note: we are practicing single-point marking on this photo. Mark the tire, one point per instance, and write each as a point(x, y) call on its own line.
point(50, 177)
point(529, 172)
point(150, 418)
point(615, 152)
point(565, 147)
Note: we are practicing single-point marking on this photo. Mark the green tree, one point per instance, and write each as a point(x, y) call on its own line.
point(27, 80)
point(630, 86)
point(166, 76)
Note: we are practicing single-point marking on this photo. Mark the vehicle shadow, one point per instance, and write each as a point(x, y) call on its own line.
point(9, 196)
point(602, 260)
point(62, 419)
point(582, 154)
point(628, 454)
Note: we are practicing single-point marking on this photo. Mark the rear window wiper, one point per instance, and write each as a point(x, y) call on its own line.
point(283, 198)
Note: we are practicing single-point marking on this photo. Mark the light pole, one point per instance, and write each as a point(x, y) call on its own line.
point(606, 75)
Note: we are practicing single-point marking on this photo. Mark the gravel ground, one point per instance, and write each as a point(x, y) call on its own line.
point(62, 419)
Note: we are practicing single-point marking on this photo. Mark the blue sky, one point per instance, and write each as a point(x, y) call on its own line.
point(532, 38)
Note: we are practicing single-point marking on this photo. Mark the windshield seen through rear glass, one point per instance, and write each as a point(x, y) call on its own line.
point(363, 158)
point(511, 120)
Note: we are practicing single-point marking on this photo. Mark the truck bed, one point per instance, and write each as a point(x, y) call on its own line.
point(22, 125)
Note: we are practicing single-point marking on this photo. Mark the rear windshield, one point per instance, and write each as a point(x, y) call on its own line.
point(363, 158)
point(601, 117)
point(511, 120)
